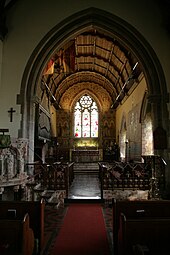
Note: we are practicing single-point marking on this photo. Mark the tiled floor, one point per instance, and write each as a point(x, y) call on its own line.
point(85, 186)
point(54, 220)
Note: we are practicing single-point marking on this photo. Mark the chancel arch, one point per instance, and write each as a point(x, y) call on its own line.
point(97, 73)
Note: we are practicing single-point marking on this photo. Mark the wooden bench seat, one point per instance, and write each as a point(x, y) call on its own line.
point(152, 233)
point(16, 236)
point(137, 209)
point(36, 216)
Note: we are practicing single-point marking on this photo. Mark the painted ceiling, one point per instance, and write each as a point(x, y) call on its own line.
point(93, 62)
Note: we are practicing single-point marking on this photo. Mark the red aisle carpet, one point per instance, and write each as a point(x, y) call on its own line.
point(83, 232)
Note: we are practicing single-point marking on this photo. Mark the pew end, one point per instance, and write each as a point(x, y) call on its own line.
point(150, 234)
point(14, 210)
point(139, 209)
point(16, 236)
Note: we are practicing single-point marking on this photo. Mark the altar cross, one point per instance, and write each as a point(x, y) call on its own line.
point(11, 111)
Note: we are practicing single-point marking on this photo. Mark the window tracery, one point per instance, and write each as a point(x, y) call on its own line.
point(86, 117)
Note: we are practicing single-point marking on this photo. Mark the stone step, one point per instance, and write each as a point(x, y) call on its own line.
point(84, 167)
point(84, 200)
point(85, 171)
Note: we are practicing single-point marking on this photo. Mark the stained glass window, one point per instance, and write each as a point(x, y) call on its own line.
point(86, 118)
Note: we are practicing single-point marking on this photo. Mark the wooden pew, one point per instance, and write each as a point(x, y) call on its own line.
point(137, 209)
point(150, 233)
point(36, 216)
point(16, 236)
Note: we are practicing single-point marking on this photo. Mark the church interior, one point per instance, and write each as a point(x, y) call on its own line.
point(85, 119)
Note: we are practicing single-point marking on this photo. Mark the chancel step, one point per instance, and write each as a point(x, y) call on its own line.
point(84, 201)
point(84, 167)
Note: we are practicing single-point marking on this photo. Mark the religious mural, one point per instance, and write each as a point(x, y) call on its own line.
point(134, 134)
point(108, 128)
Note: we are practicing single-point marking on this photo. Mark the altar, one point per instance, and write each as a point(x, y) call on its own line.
point(85, 155)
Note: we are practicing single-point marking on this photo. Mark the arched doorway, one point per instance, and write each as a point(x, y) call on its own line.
point(109, 25)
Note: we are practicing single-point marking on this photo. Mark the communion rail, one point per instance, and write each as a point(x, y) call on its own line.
point(50, 181)
point(119, 179)
point(118, 176)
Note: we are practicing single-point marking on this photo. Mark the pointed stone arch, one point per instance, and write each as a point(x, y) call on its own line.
point(63, 32)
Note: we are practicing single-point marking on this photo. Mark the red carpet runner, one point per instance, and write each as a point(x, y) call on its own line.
point(83, 232)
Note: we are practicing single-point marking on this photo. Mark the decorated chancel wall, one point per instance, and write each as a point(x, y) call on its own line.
point(65, 135)
point(66, 141)
point(108, 128)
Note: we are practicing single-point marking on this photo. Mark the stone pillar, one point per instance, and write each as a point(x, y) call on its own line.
point(1, 192)
point(156, 109)
point(21, 144)
point(157, 123)
point(158, 113)
point(16, 192)
point(1, 165)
